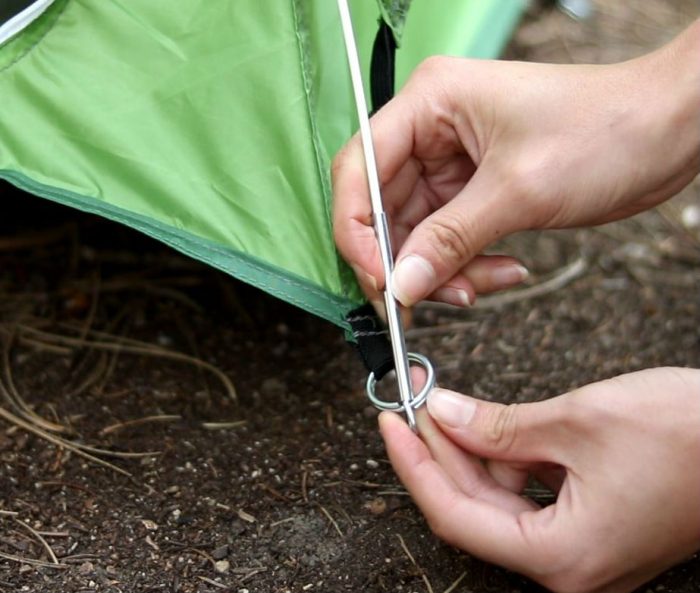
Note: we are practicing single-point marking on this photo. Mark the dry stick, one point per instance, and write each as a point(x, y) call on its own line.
point(60, 350)
point(212, 582)
point(15, 399)
point(90, 318)
point(129, 423)
point(92, 378)
point(332, 520)
point(454, 585)
point(132, 346)
point(39, 537)
point(58, 441)
point(70, 444)
point(563, 277)
point(413, 561)
point(223, 425)
point(31, 561)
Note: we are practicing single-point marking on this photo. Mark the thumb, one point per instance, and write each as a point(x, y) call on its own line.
point(444, 242)
point(529, 432)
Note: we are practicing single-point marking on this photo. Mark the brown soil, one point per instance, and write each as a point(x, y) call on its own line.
point(300, 497)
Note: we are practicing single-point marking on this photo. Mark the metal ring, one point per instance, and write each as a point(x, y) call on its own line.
point(418, 400)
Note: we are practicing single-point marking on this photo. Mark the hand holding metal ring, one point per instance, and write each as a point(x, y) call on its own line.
point(417, 400)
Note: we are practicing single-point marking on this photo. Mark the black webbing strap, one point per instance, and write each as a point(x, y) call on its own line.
point(372, 339)
point(382, 67)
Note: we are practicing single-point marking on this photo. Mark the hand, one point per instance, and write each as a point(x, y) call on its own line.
point(622, 456)
point(470, 151)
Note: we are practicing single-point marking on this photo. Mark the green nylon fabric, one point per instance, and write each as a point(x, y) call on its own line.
point(208, 125)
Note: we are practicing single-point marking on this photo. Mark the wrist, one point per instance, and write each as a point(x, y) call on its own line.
point(674, 99)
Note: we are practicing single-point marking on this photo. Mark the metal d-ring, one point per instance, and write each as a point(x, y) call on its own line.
point(417, 400)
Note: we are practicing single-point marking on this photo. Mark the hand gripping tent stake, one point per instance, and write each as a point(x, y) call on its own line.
point(409, 401)
point(211, 126)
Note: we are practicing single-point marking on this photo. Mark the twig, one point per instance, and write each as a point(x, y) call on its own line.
point(563, 277)
point(454, 585)
point(223, 425)
point(13, 397)
point(129, 423)
point(332, 520)
point(39, 537)
point(428, 586)
point(32, 561)
point(212, 582)
point(131, 346)
point(12, 419)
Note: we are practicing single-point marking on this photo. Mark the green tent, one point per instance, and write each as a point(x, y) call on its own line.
point(210, 124)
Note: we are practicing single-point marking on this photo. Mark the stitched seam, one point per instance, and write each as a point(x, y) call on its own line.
point(320, 162)
point(30, 48)
point(167, 236)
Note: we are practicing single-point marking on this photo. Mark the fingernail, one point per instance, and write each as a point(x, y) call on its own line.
point(453, 296)
point(412, 280)
point(449, 408)
point(504, 276)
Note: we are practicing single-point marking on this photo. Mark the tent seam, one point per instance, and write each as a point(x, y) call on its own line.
point(180, 243)
point(36, 43)
point(320, 162)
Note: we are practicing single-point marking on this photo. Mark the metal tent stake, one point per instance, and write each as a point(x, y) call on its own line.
point(409, 401)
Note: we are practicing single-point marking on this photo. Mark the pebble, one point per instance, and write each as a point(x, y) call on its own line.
point(221, 566)
point(372, 464)
point(220, 553)
point(690, 216)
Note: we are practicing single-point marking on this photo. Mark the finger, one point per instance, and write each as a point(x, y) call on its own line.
point(392, 133)
point(484, 274)
point(515, 476)
point(473, 525)
point(466, 471)
point(511, 476)
point(448, 239)
point(533, 432)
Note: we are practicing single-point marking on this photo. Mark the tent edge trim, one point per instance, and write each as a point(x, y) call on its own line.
point(275, 281)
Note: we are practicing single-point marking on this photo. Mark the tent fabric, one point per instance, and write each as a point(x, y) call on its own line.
point(207, 125)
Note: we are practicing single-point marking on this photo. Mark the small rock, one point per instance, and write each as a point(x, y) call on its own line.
point(372, 464)
point(150, 525)
point(376, 506)
point(221, 566)
point(86, 568)
point(690, 217)
point(220, 553)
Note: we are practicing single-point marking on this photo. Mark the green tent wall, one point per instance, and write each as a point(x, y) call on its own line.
point(211, 125)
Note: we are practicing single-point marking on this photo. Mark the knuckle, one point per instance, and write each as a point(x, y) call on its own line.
point(432, 66)
point(530, 180)
point(502, 430)
point(451, 240)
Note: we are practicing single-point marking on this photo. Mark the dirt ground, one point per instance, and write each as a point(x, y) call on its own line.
point(289, 489)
